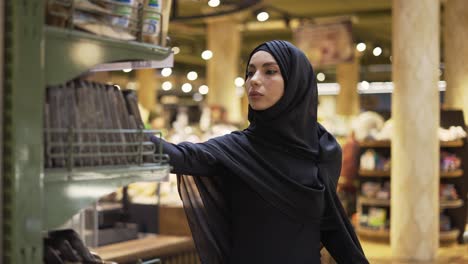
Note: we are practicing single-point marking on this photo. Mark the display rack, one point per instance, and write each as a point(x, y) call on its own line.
point(457, 209)
point(36, 200)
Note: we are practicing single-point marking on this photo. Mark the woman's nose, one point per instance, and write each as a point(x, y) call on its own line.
point(255, 80)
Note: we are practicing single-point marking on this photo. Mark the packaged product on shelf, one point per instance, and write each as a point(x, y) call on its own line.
point(370, 189)
point(453, 133)
point(384, 192)
point(448, 192)
point(377, 217)
point(367, 161)
point(151, 28)
point(449, 161)
point(445, 223)
point(125, 11)
point(367, 125)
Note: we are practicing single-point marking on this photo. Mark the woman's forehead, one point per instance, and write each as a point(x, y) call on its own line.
point(260, 58)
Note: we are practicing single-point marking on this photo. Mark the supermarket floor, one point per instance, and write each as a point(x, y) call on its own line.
point(380, 253)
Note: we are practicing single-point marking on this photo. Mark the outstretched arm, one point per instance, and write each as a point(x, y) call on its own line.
point(189, 158)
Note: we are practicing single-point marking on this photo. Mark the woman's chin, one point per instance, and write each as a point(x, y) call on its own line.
point(258, 107)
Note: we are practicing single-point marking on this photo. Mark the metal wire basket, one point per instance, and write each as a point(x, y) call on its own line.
point(78, 148)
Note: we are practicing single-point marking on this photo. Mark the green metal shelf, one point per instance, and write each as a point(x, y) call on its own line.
point(70, 53)
point(67, 192)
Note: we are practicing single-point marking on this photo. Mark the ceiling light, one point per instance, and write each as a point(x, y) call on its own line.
point(186, 87)
point(361, 47)
point(207, 54)
point(239, 81)
point(197, 97)
point(263, 16)
point(166, 72)
point(214, 3)
point(176, 50)
point(192, 76)
point(203, 89)
point(377, 51)
point(364, 85)
point(127, 70)
point(166, 86)
point(320, 76)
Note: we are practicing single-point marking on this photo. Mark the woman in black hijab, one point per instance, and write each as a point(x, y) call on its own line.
point(267, 194)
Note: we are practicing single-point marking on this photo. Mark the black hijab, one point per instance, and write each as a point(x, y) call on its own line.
point(289, 128)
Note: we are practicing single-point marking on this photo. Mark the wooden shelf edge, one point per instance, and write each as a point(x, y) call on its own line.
point(451, 204)
point(387, 143)
point(149, 247)
point(373, 201)
point(451, 174)
point(374, 173)
point(381, 173)
point(373, 233)
point(444, 236)
point(449, 236)
point(444, 204)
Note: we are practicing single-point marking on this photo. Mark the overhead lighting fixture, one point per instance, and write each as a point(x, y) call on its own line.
point(214, 3)
point(176, 50)
point(197, 97)
point(361, 47)
point(166, 86)
point(263, 16)
point(364, 85)
point(320, 76)
point(192, 76)
point(166, 72)
point(207, 54)
point(203, 89)
point(186, 87)
point(377, 51)
point(127, 70)
point(239, 81)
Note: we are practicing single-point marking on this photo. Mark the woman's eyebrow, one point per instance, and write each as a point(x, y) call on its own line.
point(266, 64)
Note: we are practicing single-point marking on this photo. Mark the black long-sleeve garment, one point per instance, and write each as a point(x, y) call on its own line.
point(260, 232)
point(267, 194)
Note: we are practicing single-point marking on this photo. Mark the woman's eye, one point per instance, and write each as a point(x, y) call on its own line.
point(271, 72)
point(250, 73)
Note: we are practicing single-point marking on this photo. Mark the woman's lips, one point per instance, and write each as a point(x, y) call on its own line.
point(255, 94)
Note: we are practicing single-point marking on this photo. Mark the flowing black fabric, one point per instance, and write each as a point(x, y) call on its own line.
point(285, 158)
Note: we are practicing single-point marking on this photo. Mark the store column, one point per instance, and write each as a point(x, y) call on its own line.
point(415, 145)
point(347, 74)
point(456, 55)
point(147, 88)
point(223, 39)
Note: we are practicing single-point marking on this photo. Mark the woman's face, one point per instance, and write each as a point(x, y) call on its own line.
point(264, 83)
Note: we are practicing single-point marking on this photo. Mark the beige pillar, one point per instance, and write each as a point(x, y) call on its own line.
point(415, 145)
point(456, 55)
point(147, 88)
point(347, 101)
point(223, 39)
